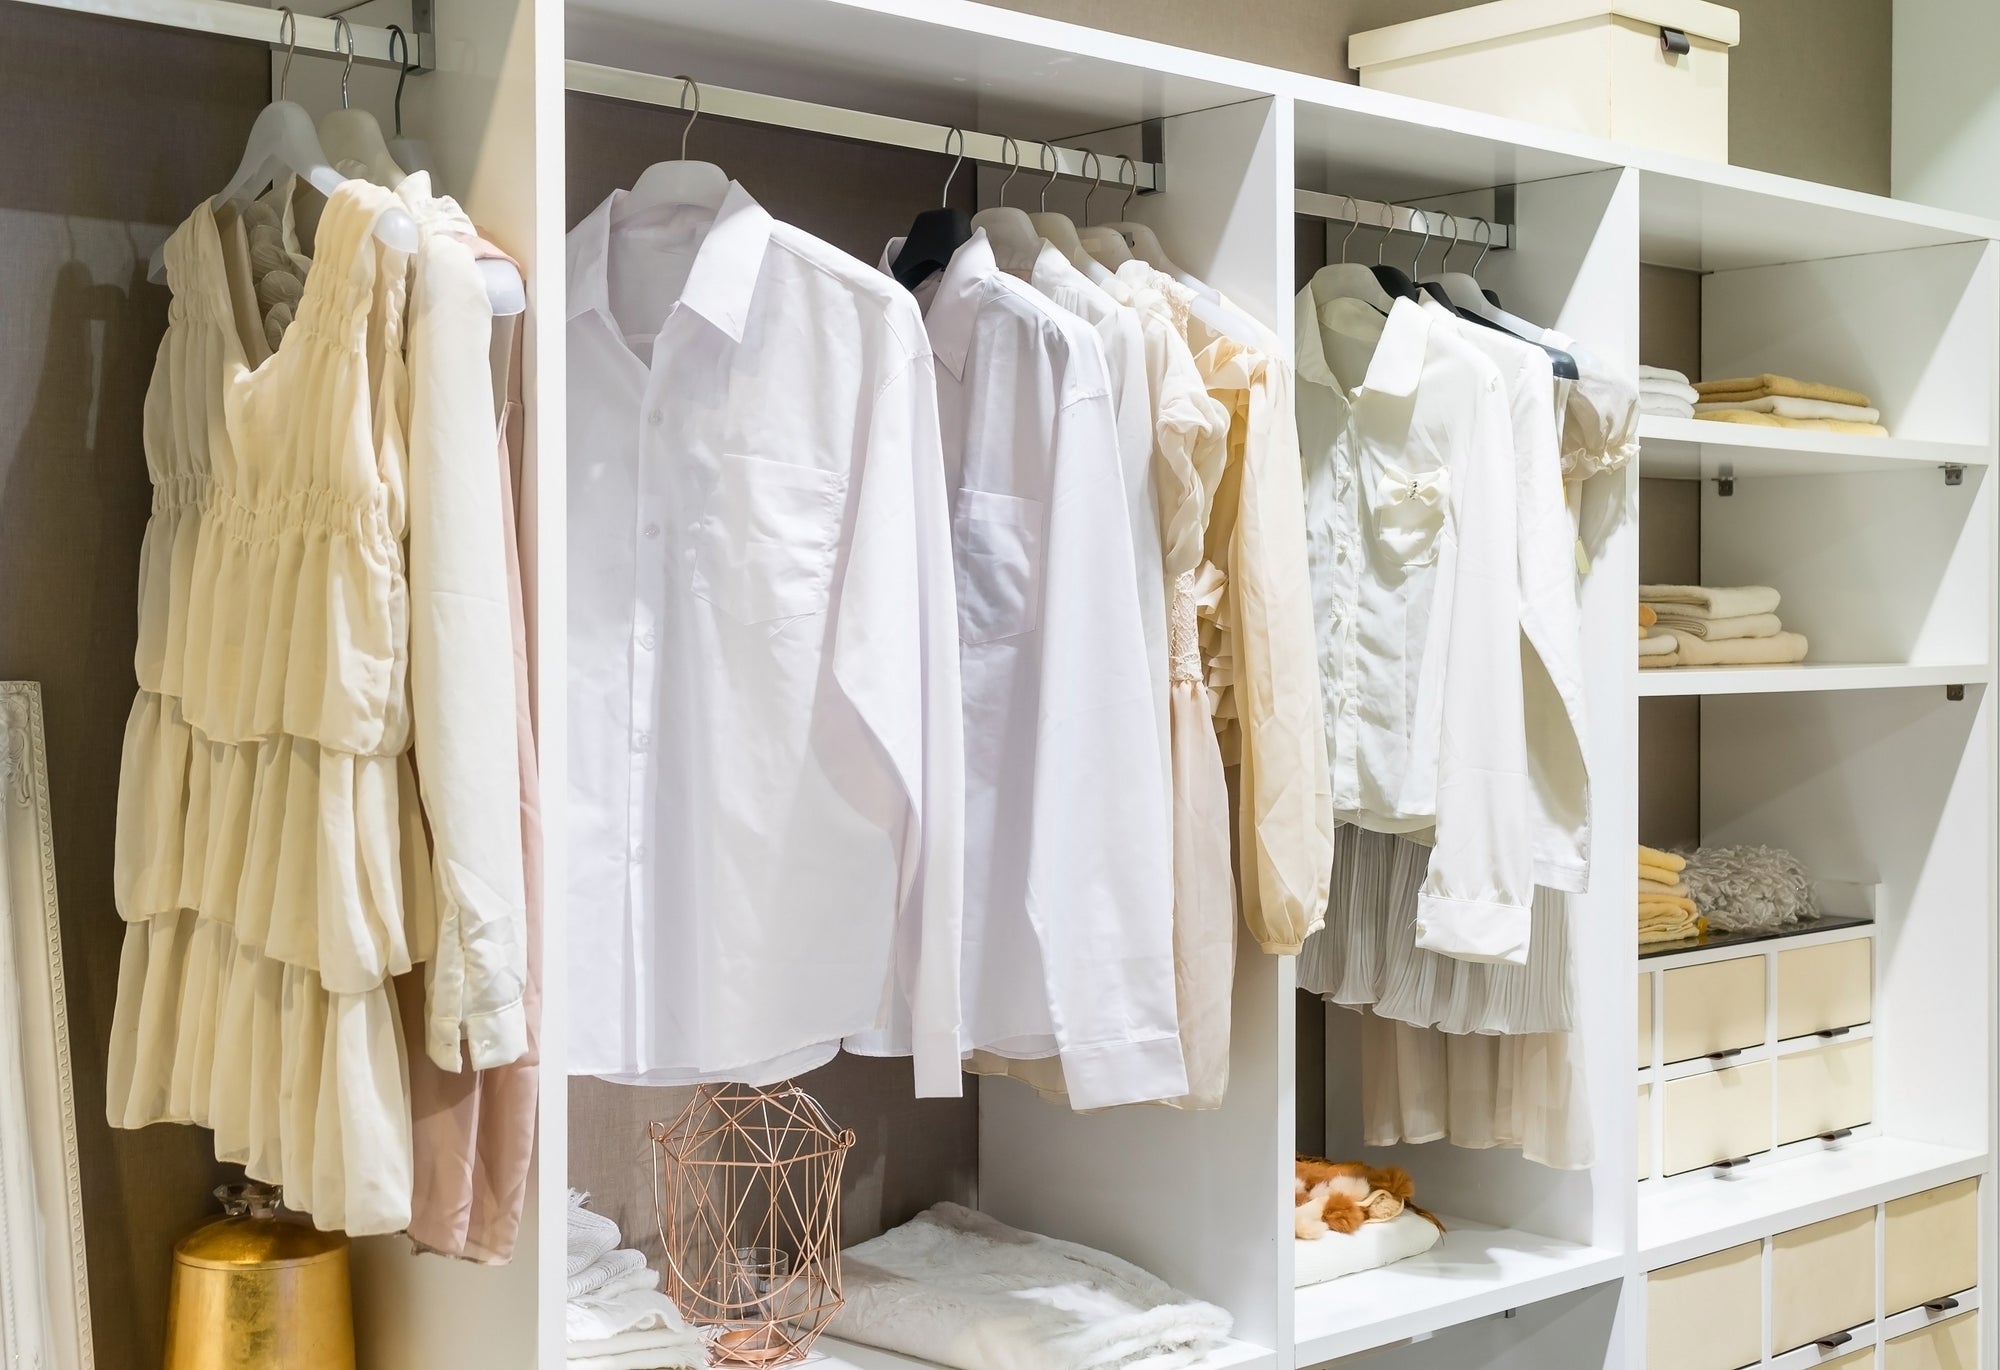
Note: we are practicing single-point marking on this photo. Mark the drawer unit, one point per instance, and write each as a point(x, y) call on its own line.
point(1645, 1021)
point(1825, 1090)
point(1824, 988)
point(1930, 1246)
point(1716, 1116)
point(1822, 1280)
point(1863, 1359)
point(1707, 1314)
point(1713, 1008)
point(1949, 1345)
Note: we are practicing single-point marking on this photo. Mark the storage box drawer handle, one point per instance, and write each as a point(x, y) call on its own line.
point(1944, 1305)
point(1675, 42)
point(1834, 1342)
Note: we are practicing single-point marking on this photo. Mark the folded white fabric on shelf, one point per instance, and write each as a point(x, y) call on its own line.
point(1661, 373)
point(611, 1269)
point(591, 1235)
point(1707, 601)
point(659, 1349)
point(1788, 407)
point(1720, 629)
point(1658, 646)
point(1339, 1254)
point(1674, 390)
point(1665, 406)
point(958, 1288)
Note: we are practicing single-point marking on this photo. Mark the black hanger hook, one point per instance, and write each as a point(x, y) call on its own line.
point(396, 35)
point(288, 34)
point(688, 83)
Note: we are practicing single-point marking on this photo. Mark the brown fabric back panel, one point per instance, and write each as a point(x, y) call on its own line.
point(908, 1154)
point(113, 133)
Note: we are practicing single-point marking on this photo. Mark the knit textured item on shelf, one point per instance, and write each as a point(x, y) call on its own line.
point(1750, 888)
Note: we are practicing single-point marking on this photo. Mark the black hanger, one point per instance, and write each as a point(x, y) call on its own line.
point(1393, 282)
point(936, 234)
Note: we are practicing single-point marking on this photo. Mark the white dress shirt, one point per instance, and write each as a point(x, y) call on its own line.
point(1068, 879)
point(1410, 496)
point(766, 767)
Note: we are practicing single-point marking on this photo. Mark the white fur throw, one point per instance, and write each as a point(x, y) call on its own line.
point(1750, 889)
point(955, 1287)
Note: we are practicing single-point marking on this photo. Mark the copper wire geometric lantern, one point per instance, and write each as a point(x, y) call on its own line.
point(746, 1188)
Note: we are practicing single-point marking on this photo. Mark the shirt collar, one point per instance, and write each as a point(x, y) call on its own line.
point(721, 282)
point(953, 309)
point(1398, 362)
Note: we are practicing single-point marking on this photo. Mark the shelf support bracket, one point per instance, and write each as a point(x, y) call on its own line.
point(1954, 693)
point(1725, 486)
point(1953, 474)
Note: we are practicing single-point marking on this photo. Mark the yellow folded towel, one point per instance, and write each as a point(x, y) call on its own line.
point(1648, 616)
point(1677, 932)
point(1651, 888)
point(1785, 407)
point(1781, 649)
point(1658, 875)
point(1859, 430)
point(1659, 904)
point(1761, 387)
point(1660, 662)
point(1666, 860)
point(1721, 629)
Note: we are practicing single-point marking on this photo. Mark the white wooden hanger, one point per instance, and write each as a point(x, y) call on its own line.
point(1108, 245)
point(1056, 228)
point(673, 185)
point(1350, 280)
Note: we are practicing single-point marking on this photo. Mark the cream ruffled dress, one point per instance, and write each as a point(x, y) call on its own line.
point(271, 861)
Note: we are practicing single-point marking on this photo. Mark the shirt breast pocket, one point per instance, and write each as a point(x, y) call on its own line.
point(1407, 510)
point(997, 547)
point(768, 537)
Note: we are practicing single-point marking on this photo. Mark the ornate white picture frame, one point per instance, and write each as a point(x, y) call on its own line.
point(44, 1287)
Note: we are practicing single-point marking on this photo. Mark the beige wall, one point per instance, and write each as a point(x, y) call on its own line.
point(129, 127)
point(1809, 86)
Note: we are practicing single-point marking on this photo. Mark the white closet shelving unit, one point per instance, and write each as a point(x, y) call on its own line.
point(1859, 762)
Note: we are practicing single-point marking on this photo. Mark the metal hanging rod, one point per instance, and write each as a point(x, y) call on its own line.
point(1344, 209)
point(671, 91)
point(233, 19)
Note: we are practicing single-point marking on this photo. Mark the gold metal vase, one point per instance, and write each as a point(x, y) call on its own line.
point(256, 1291)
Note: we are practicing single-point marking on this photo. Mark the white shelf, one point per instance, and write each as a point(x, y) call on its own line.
point(1805, 678)
point(1702, 449)
point(1475, 1272)
point(1684, 1218)
point(831, 1354)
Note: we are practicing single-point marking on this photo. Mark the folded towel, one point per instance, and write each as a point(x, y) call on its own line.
point(1785, 407)
point(1721, 629)
point(657, 1349)
point(1758, 387)
point(1710, 601)
point(1650, 888)
point(1648, 616)
point(1649, 937)
point(1660, 373)
point(1782, 650)
point(1661, 644)
point(1339, 1254)
point(1744, 416)
point(956, 1287)
point(1660, 663)
point(1669, 390)
point(1660, 903)
point(1665, 407)
point(1666, 860)
point(613, 1267)
point(591, 1235)
point(1658, 875)
point(632, 1312)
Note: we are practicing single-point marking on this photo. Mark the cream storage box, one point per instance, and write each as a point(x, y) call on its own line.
point(1653, 72)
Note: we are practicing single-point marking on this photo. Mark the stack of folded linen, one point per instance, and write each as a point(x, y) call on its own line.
point(1666, 912)
point(1656, 648)
point(616, 1317)
point(1781, 402)
point(956, 1288)
point(1729, 626)
point(1666, 394)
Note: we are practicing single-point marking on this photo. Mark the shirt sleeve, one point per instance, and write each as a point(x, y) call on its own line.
point(1100, 891)
point(1474, 904)
point(1286, 798)
point(895, 656)
point(462, 669)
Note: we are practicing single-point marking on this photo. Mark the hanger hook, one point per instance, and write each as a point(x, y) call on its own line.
point(1416, 262)
point(944, 200)
point(1090, 160)
point(396, 35)
point(288, 34)
point(1011, 150)
point(1042, 160)
point(1445, 265)
point(340, 26)
point(1488, 226)
point(1388, 230)
point(1353, 224)
point(688, 84)
point(1131, 186)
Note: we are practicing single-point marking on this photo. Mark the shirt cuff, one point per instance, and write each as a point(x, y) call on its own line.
point(1142, 1072)
point(496, 1037)
point(934, 1058)
point(1473, 929)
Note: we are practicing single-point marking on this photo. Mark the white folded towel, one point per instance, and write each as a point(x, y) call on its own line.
point(1705, 601)
point(1657, 646)
point(630, 1312)
point(1661, 373)
point(591, 1235)
point(956, 1287)
point(1665, 407)
point(612, 1267)
point(1719, 629)
point(1677, 390)
point(1786, 407)
point(659, 1349)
